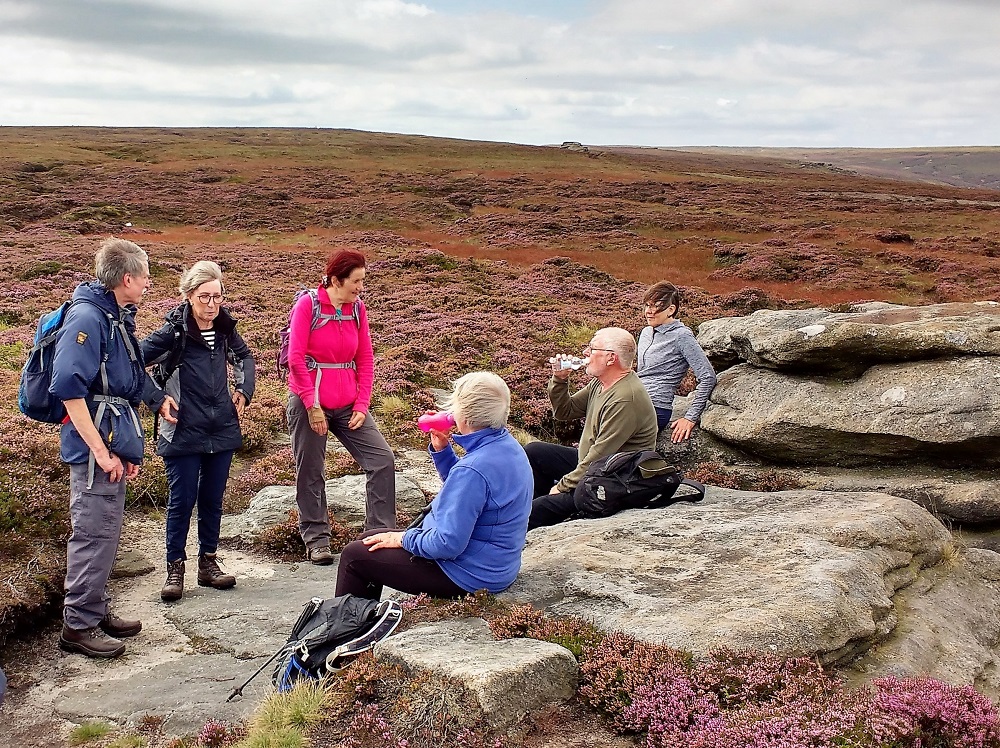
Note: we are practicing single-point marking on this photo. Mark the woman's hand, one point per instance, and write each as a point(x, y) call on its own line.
point(317, 420)
point(240, 401)
point(383, 540)
point(439, 440)
point(357, 420)
point(681, 429)
point(168, 409)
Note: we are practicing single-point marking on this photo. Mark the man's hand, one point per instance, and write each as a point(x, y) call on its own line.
point(168, 409)
point(681, 429)
point(557, 371)
point(357, 420)
point(111, 464)
point(383, 540)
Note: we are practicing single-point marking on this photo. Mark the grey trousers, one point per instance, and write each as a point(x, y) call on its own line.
point(365, 444)
point(96, 516)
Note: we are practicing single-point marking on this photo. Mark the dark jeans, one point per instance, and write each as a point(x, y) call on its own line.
point(662, 417)
point(549, 463)
point(198, 479)
point(363, 572)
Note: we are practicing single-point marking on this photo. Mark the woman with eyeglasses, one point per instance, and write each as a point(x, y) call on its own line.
point(192, 357)
point(666, 350)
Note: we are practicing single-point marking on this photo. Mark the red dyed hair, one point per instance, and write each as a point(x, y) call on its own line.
point(342, 263)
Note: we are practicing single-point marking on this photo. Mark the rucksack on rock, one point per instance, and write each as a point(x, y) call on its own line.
point(630, 480)
point(318, 320)
point(330, 633)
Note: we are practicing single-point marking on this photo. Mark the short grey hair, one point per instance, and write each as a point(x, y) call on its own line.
point(481, 399)
point(117, 258)
point(203, 271)
point(620, 341)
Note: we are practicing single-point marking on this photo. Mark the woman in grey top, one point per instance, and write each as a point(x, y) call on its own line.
point(666, 349)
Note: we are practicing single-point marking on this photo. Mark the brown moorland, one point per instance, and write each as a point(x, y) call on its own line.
point(483, 255)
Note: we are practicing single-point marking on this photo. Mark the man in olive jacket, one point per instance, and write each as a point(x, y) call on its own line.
point(619, 418)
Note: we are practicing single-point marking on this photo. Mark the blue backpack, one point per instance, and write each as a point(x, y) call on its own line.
point(33, 396)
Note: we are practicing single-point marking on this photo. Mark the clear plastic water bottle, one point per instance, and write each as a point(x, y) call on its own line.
point(569, 362)
point(441, 421)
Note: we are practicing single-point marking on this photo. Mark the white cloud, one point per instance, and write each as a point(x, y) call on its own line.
point(657, 72)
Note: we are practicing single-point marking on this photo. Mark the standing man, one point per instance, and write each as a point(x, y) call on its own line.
point(619, 418)
point(97, 371)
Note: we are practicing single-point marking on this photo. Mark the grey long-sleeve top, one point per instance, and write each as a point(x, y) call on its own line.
point(664, 355)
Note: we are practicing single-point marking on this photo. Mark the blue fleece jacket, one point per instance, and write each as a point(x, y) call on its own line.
point(478, 522)
point(85, 337)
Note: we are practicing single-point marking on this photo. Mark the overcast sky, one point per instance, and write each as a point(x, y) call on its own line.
point(879, 73)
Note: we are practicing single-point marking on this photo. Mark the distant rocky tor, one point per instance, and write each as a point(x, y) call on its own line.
point(889, 398)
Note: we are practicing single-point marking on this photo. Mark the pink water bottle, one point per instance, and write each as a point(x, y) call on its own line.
point(441, 421)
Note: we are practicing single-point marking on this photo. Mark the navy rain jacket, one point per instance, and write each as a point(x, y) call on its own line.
point(206, 417)
point(85, 337)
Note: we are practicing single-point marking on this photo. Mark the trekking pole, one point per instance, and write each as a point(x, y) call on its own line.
point(238, 691)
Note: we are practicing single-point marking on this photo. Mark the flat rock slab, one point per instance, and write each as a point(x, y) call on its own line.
point(230, 634)
point(795, 573)
point(848, 343)
point(506, 679)
point(186, 692)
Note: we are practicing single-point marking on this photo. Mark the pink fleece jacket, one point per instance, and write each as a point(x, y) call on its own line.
point(335, 343)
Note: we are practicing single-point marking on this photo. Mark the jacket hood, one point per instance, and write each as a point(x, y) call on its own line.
point(96, 293)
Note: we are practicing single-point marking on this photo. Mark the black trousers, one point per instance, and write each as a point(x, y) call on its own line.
point(549, 463)
point(363, 572)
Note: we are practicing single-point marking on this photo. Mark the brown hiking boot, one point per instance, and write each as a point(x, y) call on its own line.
point(91, 642)
point(174, 586)
point(210, 575)
point(119, 628)
point(321, 556)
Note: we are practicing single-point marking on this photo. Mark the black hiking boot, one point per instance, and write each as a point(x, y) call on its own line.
point(210, 575)
point(173, 589)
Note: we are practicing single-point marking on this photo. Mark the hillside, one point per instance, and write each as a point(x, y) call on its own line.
point(482, 255)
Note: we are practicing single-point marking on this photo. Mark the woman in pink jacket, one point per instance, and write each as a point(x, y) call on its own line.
point(330, 375)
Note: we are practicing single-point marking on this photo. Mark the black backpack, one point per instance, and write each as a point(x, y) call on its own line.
point(329, 634)
point(631, 480)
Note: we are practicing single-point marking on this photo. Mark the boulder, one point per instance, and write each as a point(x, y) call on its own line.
point(848, 343)
point(796, 573)
point(951, 629)
point(503, 680)
point(345, 496)
point(945, 412)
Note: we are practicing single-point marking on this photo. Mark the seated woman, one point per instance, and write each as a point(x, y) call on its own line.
point(666, 349)
point(473, 536)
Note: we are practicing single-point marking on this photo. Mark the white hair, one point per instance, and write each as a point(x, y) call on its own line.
point(203, 271)
point(620, 341)
point(481, 399)
point(117, 258)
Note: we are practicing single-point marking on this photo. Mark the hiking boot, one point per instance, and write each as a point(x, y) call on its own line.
point(91, 642)
point(321, 556)
point(210, 575)
point(174, 586)
point(119, 628)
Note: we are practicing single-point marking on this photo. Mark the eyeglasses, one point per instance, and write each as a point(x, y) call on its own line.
point(588, 348)
point(210, 298)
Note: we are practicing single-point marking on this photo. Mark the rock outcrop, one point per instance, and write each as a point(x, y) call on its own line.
point(910, 394)
point(345, 496)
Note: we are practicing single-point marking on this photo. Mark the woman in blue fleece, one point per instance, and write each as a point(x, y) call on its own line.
point(473, 536)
